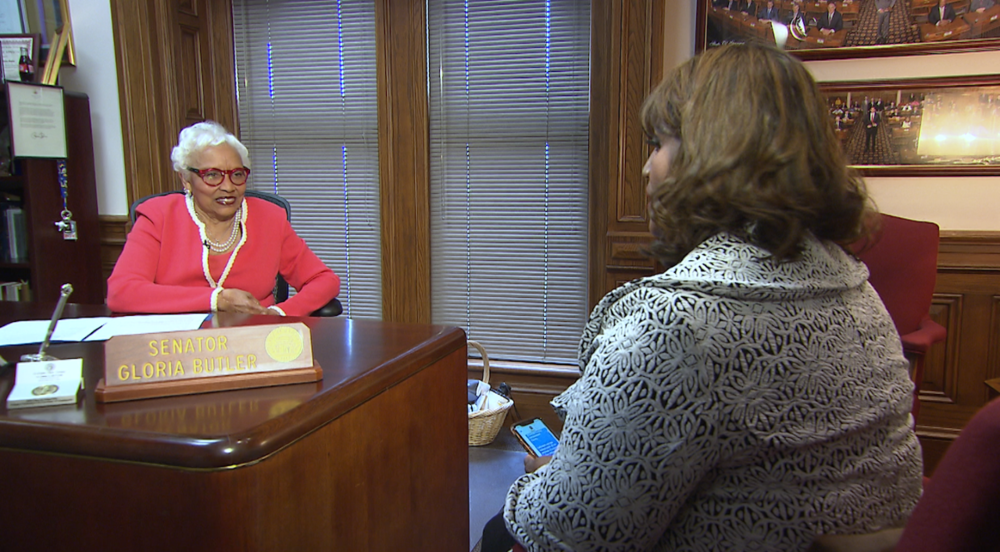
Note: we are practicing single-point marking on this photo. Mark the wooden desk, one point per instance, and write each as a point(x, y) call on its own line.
point(950, 31)
point(920, 8)
point(373, 457)
point(816, 39)
point(994, 387)
point(757, 28)
point(982, 23)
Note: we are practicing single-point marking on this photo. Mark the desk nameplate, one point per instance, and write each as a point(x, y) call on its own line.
point(200, 361)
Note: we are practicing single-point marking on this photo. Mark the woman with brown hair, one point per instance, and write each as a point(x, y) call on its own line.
point(754, 395)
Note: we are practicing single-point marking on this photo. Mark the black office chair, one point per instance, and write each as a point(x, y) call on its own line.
point(333, 308)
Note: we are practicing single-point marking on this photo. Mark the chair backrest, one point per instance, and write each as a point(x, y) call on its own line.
point(960, 507)
point(275, 199)
point(903, 265)
point(280, 285)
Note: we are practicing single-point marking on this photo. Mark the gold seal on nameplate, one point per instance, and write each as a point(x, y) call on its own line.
point(283, 344)
point(42, 390)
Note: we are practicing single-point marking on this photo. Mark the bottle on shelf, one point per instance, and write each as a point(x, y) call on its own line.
point(26, 67)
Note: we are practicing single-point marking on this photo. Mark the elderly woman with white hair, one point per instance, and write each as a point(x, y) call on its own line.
point(212, 249)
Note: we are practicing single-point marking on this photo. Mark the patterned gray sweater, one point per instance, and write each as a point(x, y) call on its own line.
point(730, 403)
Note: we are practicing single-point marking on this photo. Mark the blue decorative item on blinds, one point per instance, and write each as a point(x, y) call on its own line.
point(509, 115)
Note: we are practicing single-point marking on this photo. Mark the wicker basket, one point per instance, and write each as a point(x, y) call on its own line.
point(485, 424)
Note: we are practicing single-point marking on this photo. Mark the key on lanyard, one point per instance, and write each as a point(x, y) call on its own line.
point(67, 225)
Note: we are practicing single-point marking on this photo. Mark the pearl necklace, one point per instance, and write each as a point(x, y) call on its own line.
point(241, 219)
point(223, 247)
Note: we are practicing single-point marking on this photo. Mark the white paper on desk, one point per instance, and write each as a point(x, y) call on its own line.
point(147, 323)
point(33, 331)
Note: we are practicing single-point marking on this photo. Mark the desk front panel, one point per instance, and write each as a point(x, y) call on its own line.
point(218, 430)
point(374, 457)
point(390, 474)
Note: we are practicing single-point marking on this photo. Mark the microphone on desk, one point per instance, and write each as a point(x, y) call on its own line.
point(64, 293)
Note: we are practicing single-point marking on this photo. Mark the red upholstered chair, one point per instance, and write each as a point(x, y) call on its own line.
point(902, 259)
point(960, 507)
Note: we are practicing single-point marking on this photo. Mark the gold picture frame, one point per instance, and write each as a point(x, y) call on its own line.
point(50, 19)
point(926, 127)
point(909, 24)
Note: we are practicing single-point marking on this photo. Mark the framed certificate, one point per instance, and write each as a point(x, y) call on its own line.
point(37, 120)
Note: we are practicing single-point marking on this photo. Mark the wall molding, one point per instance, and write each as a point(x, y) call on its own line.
point(114, 229)
point(966, 251)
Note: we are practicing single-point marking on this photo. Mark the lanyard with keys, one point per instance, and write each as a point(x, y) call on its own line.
point(67, 225)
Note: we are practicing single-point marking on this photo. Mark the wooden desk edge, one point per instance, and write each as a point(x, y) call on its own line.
point(195, 452)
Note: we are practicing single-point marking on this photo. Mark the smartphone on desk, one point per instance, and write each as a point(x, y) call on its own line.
point(535, 437)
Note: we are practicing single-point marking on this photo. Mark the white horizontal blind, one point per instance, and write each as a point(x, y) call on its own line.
point(306, 80)
point(509, 98)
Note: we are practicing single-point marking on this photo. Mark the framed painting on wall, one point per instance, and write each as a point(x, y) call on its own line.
point(920, 127)
point(841, 29)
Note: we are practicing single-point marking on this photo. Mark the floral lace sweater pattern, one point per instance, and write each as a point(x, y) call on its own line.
point(730, 403)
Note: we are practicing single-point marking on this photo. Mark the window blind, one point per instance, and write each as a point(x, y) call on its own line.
point(509, 95)
point(306, 81)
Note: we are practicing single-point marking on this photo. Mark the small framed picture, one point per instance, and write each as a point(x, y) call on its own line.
point(20, 57)
point(849, 29)
point(919, 127)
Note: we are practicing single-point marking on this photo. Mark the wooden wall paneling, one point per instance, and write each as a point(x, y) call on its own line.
point(993, 355)
point(941, 364)
point(114, 229)
point(967, 304)
point(403, 127)
point(604, 33)
point(175, 68)
point(637, 59)
point(191, 89)
point(145, 101)
point(627, 62)
point(225, 108)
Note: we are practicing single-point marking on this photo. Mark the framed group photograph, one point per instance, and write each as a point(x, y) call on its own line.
point(842, 29)
point(925, 127)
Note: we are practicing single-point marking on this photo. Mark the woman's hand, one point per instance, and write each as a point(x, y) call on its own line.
point(237, 300)
point(532, 463)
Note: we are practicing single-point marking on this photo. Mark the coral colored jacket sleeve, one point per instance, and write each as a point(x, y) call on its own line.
point(161, 267)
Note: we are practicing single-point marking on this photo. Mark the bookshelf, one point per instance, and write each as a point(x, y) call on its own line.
point(50, 260)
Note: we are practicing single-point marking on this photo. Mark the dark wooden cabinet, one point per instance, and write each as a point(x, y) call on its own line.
point(52, 261)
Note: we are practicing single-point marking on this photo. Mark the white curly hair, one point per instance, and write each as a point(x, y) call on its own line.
point(199, 136)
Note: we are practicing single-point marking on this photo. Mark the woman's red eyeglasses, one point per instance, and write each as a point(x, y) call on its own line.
point(214, 177)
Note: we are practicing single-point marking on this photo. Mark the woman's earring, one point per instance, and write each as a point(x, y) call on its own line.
point(187, 192)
